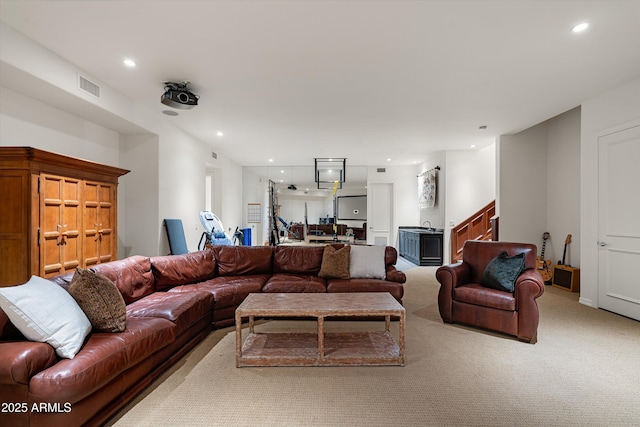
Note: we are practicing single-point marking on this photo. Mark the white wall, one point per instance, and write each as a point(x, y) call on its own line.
point(521, 201)
point(27, 122)
point(563, 187)
point(167, 165)
point(139, 188)
point(539, 186)
point(611, 111)
point(470, 184)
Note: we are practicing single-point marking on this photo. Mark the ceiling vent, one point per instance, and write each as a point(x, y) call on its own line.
point(381, 170)
point(88, 86)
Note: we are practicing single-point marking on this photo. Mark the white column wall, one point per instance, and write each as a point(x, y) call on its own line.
point(611, 111)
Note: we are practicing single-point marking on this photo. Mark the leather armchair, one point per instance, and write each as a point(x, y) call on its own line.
point(462, 299)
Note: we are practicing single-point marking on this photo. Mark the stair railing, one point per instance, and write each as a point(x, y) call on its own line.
point(482, 225)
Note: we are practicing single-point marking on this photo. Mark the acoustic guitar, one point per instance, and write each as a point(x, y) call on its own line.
point(543, 265)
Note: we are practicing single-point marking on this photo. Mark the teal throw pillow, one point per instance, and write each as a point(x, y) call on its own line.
point(502, 271)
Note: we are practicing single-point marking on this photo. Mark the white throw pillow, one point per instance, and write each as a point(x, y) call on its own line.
point(367, 262)
point(45, 312)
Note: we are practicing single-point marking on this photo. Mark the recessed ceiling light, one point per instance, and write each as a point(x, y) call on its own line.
point(270, 160)
point(219, 133)
point(472, 146)
point(129, 62)
point(388, 160)
point(580, 27)
point(169, 113)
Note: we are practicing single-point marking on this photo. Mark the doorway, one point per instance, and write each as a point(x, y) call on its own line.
point(212, 196)
point(380, 214)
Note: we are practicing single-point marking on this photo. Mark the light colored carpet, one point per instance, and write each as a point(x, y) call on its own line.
point(583, 371)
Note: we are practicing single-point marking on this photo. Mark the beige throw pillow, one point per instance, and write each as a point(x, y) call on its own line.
point(367, 262)
point(335, 263)
point(100, 300)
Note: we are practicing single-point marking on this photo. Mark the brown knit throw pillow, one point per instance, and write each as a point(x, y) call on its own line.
point(100, 300)
point(335, 263)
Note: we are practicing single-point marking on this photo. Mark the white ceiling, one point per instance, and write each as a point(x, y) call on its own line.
point(365, 80)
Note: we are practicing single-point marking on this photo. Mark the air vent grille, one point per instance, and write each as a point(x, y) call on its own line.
point(382, 169)
point(88, 86)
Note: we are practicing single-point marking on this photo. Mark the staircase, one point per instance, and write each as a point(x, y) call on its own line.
point(482, 225)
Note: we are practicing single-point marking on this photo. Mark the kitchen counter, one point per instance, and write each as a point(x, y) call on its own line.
point(421, 245)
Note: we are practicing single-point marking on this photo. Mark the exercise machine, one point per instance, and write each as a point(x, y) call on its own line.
point(214, 233)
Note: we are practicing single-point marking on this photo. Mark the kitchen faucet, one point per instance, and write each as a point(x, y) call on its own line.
point(428, 222)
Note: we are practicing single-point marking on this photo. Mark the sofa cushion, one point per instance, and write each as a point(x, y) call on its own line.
point(103, 357)
point(366, 285)
point(335, 262)
point(44, 312)
point(243, 260)
point(63, 280)
point(183, 309)
point(367, 262)
point(286, 283)
point(174, 270)
point(100, 300)
point(227, 291)
point(477, 294)
point(131, 275)
point(502, 271)
point(298, 259)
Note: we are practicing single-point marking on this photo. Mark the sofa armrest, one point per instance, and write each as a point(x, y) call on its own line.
point(528, 287)
point(21, 360)
point(395, 275)
point(450, 276)
point(454, 275)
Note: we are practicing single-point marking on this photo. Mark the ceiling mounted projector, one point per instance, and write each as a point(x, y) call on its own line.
point(176, 95)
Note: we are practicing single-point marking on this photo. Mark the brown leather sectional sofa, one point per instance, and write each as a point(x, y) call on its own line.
point(172, 304)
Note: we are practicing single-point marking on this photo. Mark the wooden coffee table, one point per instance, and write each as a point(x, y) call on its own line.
point(321, 348)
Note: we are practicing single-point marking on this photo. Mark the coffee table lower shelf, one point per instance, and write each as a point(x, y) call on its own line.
point(302, 349)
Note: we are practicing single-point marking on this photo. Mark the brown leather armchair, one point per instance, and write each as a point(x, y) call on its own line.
point(462, 299)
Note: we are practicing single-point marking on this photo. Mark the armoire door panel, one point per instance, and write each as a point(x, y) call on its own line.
point(51, 194)
point(100, 221)
point(71, 245)
point(61, 246)
point(91, 224)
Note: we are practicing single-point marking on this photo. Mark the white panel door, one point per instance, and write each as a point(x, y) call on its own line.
point(380, 217)
point(619, 222)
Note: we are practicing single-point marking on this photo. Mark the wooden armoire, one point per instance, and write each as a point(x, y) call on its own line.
point(56, 213)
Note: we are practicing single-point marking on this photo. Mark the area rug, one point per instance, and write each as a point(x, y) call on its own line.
point(583, 371)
